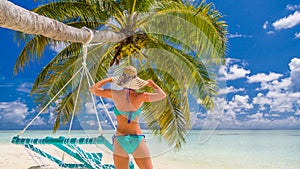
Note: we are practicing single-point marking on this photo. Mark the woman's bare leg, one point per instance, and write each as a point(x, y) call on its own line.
point(144, 163)
point(121, 162)
point(142, 156)
point(121, 158)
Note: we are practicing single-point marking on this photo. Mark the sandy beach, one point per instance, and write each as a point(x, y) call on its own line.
point(16, 157)
point(227, 149)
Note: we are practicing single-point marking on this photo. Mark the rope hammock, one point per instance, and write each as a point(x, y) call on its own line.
point(70, 146)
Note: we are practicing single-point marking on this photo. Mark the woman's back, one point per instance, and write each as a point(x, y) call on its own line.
point(126, 100)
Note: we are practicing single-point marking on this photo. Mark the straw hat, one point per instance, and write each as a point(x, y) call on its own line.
point(129, 79)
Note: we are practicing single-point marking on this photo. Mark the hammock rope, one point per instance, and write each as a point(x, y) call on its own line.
point(76, 99)
point(84, 70)
point(69, 145)
point(102, 102)
point(43, 109)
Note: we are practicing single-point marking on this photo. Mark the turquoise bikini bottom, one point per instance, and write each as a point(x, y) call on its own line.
point(129, 142)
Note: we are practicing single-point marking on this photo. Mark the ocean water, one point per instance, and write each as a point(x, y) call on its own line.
point(227, 149)
point(245, 149)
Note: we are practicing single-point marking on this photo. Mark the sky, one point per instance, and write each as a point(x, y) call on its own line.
point(262, 68)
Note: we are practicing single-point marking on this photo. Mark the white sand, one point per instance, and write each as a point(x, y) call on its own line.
point(16, 157)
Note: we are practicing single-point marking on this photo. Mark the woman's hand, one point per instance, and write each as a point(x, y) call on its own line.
point(107, 80)
point(150, 83)
point(159, 94)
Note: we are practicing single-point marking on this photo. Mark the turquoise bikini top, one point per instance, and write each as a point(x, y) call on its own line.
point(130, 115)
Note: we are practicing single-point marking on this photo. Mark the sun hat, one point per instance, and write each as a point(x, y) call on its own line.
point(129, 79)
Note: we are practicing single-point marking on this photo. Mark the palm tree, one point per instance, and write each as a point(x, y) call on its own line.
point(172, 42)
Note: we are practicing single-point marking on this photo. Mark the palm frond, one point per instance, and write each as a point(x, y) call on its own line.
point(136, 5)
point(66, 11)
point(71, 51)
point(203, 31)
point(198, 79)
point(63, 110)
point(168, 118)
point(32, 50)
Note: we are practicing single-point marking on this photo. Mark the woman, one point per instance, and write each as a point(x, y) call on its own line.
point(128, 138)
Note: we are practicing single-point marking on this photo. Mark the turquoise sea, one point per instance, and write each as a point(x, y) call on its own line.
point(228, 149)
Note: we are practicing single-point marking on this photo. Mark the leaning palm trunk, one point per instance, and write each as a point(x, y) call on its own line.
point(19, 19)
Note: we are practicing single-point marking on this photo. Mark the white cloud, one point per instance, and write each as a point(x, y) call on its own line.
point(265, 26)
point(294, 64)
point(272, 115)
point(289, 122)
point(25, 87)
point(222, 70)
point(237, 35)
point(107, 105)
point(39, 121)
point(278, 98)
point(287, 22)
point(234, 72)
point(254, 121)
point(52, 118)
point(277, 101)
point(295, 95)
point(283, 84)
point(230, 89)
point(58, 47)
point(297, 35)
point(6, 85)
point(282, 102)
point(239, 103)
point(282, 94)
point(292, 7)
point(91, 123)
point(232, 60)
point(270, 32)
point(87, 118)
point(262, 108)
point(258, 120)
point(262, 77)
point(14, 112)
point(89, 108)
point(295, 73)
point(258, 115)
point(261, 99)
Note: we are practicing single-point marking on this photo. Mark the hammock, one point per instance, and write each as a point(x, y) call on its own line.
point(90, 160)
point(69, 146)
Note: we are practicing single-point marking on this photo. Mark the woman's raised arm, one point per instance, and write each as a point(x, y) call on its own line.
point(153, 97)
point(99, 91)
